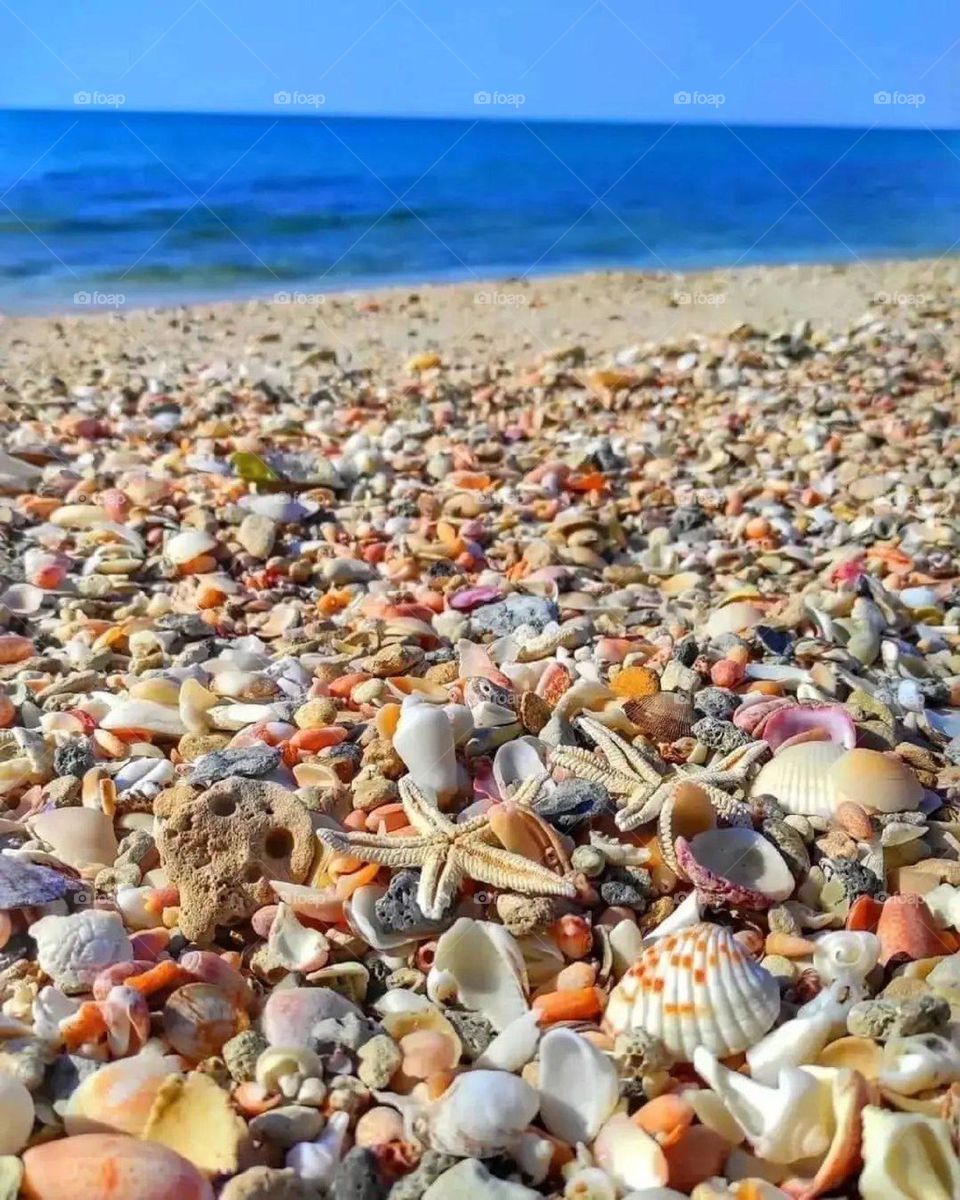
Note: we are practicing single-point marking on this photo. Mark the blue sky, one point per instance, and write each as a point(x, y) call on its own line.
point(761, 61)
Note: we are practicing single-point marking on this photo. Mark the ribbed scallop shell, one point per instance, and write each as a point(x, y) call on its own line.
point(696, 988)
point(799, 778)
point(663, 716)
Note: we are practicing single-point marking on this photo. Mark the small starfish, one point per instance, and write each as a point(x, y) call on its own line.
point(627, 772)
point(447, 853)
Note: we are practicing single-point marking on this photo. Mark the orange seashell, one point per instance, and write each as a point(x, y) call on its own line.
point(199, 1018)
point(584, 1004)
point(553, 683)
point(14, 648)
point(106, 1166)
point(252, 1100)
point(573, 936)
point(346, 885)
point(387, 720)
point(864, 914)
point(386, 818)
point(906, 929)
point(342, 687)
point(311, 740)
point(633, 683)
point(788, 945)
point(698, 1154)
point(588, 481)
point(665, 1118)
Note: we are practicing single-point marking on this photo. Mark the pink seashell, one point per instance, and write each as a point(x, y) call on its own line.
point(468, 598)
point(103, 1166)
point(211, 968)
point(735, 868)
point(798, 719)
point(114, 976)
point(262, 920)
point(749, 717)
point(127, 1018)
point(474, 660)
point(150, 944)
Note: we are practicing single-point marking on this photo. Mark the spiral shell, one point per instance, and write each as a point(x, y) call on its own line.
point(696, 988)
point(799, 778)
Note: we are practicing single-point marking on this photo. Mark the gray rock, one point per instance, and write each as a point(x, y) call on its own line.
point(474, 1030)
point(339, 571)
point(240, 1054)
point(883, 1019)
point(471, 1178)
point(397, 909)
point(287, 1125)
point(716, 702)
point(250, 762)
point(507, 615)
point(432, 1165)
point(358, 1177)
point(572, 803)
point(257, 535)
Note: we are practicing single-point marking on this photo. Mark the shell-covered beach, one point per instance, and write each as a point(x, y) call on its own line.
point(495, 740)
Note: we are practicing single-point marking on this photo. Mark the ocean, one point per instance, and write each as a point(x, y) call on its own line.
point(168, 208)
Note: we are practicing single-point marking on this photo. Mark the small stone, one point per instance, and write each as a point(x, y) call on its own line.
point(678, 678)
point(257, 535)
point(268, 1183)
point(470, 1178)
point(287, 1125)
point(621, 890)
point(589, 860)
point(399, 659)
point(572, 803)
point(25, 885)
point(887, 1018)
point(534, 712)
point(474, 1030)
point(74, 757)
point(397, 909)
point(716, 702)
point(508, 615)
point(316, 714)
point(837, 844)
point(713, 732)
point(854, 878)
point(250, 762)
point(358, 1177)
point(240, 1054)
point(194, 745)
point(432, 1165)
point(784, 970)
point(379, 1060)
point(523, 915)
point(62, 793)
point(372, 791)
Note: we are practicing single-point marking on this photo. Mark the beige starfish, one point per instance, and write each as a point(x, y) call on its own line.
point(625, 771)
point(447, 853)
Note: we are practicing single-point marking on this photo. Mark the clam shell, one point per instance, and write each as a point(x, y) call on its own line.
point(662, 717)
point(831, 719)
point(481, 1114)
point(686, 812)
point(879, 782)
point(799, 780)
point(190, 544)
point(735, 866)
point(578, 1085)
point(696, 988)
point(118, 1097)
point(483, 964)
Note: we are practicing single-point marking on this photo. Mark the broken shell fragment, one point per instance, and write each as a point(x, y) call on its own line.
point(735, 866)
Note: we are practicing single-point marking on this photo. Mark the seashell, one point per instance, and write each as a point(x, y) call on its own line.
point(878, 782)
point(791, 1121)
point(193, 1116)
point(735, 866)
point(907, 1156)
point(516, 762)
point(662, 716)
point(579, 1087)
point(233, 717)
point(632, 1158)
point(296, 947)
point(317, 1161)
point(799, 780)
point(793, 1044)
point(590, 1183)
point(918, 1063)
point(906, 929)
point(16, 1115)
point(184, 547)
point(198, 1018)
point(732, 618)
point(481, 1114)
point(147, 715)
point(118, 1097)
point(193, 703)
point(74, 949)
point(94, 1166)
point(78, 835)
point(832, 720)
point(425, 1019)
point(484, 967)
point(424, 739)
point(23, 599)
point(696, 988)
point(854, 1054)
point(296, 1064)
point(290, 1014)
point(846, 956)
point(686, 812)
point(78, 516)
point(514, 1046)
point(14, 772)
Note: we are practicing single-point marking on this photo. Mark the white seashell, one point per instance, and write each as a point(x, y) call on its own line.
point(233, 717)
point(578, 1084)
point(626, 943)
point(731, 618)
point(77, 835)
point(481, 1113)
point(798, 777)
point(16, 1115)
point(907, 1156)
point(147, 715)
point(835, 1000)
point(461, 720)
point(360, 911)
point(516, 762)
point(914, 1064)
point(471, 1178)
point(184, 547)
point(487, 715)
point(483, 963)
point(631, 1157)
point(294, 946)
point(944, 903)
point(317, 1161)
point(193, 703)
point(13, 772)
point(23, 599)
point(78, 516)
point(590, 1183)
point(791, 1121)
point(845, 955)
point(688, 912)
point(74, 949)
point(514, 1046)
point(696, 988)
point(745, 858)
point(424, 739)
point(793, 1044)
point(132, 903)
point(541, 958)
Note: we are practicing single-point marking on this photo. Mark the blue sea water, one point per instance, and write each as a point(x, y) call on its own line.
point(166, 208)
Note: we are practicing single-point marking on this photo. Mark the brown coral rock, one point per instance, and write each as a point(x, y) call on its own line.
point(220, 847)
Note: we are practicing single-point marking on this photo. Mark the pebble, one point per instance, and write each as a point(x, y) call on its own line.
point(251, 762)
point(507, 616)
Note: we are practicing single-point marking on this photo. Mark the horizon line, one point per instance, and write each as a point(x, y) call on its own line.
point(106, 111)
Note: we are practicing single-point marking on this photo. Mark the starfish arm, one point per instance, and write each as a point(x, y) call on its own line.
point(619, 753)
point(440, 881)
point(586, 765)
point(531, 790)
point(372, 848)
point(511, 872)
point(421, 812)
point(643, 806)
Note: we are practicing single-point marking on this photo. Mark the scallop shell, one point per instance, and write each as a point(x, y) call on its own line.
point(696, 988)
point(799, 780)
point(663, 717)
point(737, 867)
point(879, 782)
point(686, 812)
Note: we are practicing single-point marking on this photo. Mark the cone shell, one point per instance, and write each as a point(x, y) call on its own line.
point(696, 988)
point(799, 779)
point(662, 717)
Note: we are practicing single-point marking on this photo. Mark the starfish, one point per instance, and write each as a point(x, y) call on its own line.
point(625, 771)
point(447, 853)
